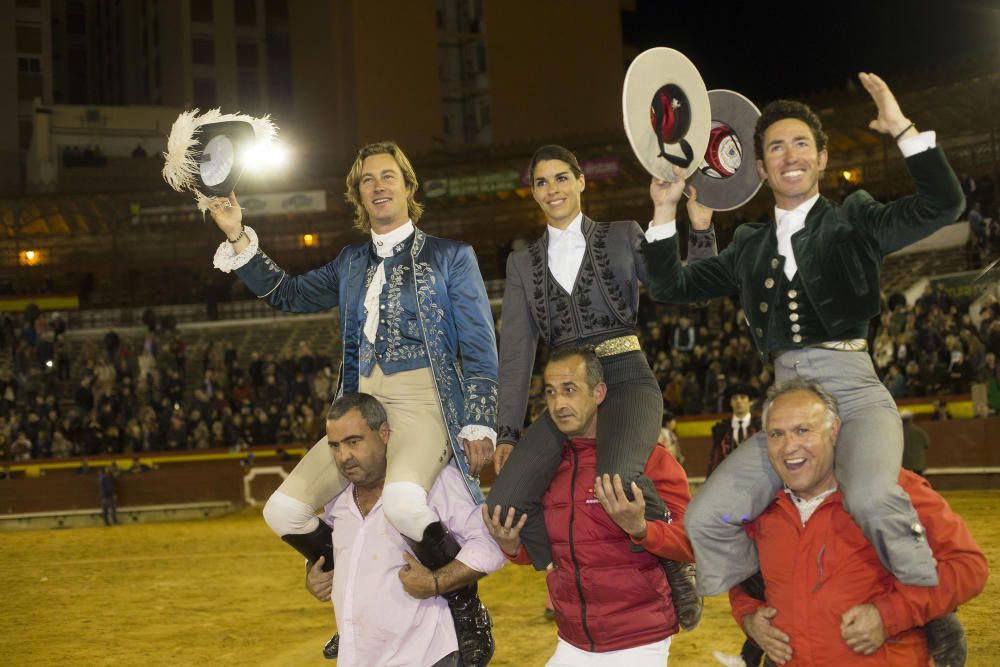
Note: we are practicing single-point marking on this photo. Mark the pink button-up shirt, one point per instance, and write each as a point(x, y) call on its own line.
point(379, 623)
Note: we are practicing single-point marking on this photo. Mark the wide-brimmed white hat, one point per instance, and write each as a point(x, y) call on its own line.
point(666, 112)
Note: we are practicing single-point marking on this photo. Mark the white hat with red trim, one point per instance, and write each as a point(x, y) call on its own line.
point(728, 178)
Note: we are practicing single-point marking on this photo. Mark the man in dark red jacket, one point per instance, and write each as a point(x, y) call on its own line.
point(611, 596)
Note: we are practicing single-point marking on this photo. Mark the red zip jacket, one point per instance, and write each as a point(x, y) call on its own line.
point(815, 573)
point(607, 596)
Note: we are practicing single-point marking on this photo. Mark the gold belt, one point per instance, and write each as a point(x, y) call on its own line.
point(852, 345)
point(617, 346)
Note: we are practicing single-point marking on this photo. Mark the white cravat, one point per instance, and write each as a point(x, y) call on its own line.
point(566, 250)
point(383, 243)
point(790, 222)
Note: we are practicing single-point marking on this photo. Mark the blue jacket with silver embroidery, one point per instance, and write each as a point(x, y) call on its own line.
point(453, 314)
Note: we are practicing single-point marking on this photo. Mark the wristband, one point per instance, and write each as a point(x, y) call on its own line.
point(244, 233)
point(905, 130)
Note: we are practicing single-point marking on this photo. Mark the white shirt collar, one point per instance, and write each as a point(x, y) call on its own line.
point(386, 243)
point(800, 211)
point(807, 507)
point(576, 226)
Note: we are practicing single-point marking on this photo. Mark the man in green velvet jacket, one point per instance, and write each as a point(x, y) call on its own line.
point(809, 284)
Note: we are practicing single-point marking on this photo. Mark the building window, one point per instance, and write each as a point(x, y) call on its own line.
point(204, 93)
point(246, 12)
point(277, 12)
point(201, 11)
point(29, 65)
point(202, 51)
point(246, 55)
point(29, 38)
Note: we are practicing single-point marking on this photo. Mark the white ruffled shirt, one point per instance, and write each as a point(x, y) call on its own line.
point(383, 244)
point(566, 250)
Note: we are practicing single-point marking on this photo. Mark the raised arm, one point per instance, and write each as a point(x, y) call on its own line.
point(308, 293)
point(939, 199)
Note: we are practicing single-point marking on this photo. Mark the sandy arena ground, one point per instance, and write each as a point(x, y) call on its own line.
point(227, 592)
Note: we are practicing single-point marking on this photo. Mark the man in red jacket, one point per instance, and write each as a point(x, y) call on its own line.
point(610, 593)
point(829, 600)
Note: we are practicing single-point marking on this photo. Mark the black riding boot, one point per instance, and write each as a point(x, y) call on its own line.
point(946, 641)
point(313, 545)
point(683, 593)
point(472, 620)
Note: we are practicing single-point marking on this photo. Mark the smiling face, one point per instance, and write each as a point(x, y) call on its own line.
point(800, 443)
point(358, 450)
point(791, 162)
point(571, 401)
point(557, 191)
point(384, 192)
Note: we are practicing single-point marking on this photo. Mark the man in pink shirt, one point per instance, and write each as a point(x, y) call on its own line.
point(391, 609)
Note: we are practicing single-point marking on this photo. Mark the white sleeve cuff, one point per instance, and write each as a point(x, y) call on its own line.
point(918, 144)
point(477, 432)
point(226, 260)
point(659, 232)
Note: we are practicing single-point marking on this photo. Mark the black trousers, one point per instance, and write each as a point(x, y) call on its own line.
point(628, 425)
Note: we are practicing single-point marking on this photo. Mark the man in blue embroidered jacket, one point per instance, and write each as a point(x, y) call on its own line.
point(409, 305)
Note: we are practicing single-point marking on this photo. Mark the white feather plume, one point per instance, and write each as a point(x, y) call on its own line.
point(181, 159)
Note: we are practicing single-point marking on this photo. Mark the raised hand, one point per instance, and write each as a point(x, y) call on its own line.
point(227, 214)
point(890, 118)
point(699, 215)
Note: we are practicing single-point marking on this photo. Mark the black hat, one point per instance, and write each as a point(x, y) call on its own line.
point(742, 388)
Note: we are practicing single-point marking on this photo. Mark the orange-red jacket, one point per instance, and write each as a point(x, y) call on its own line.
point(815, 573)
point(606, 595)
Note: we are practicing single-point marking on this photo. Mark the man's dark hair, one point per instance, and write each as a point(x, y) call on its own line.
point(780, 110)
point(369, 407)
point(595, 372)
point(553, 152)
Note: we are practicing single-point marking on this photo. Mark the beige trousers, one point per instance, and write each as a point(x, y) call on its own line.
point(418, 447)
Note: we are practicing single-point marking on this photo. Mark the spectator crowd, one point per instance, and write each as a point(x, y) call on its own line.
point(150, 397)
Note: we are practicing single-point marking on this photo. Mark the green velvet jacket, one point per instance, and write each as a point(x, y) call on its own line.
point(839, 255)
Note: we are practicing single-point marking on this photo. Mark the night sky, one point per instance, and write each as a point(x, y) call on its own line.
point(767, 50)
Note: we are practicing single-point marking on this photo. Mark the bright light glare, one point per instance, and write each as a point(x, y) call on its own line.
point(263, 156)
